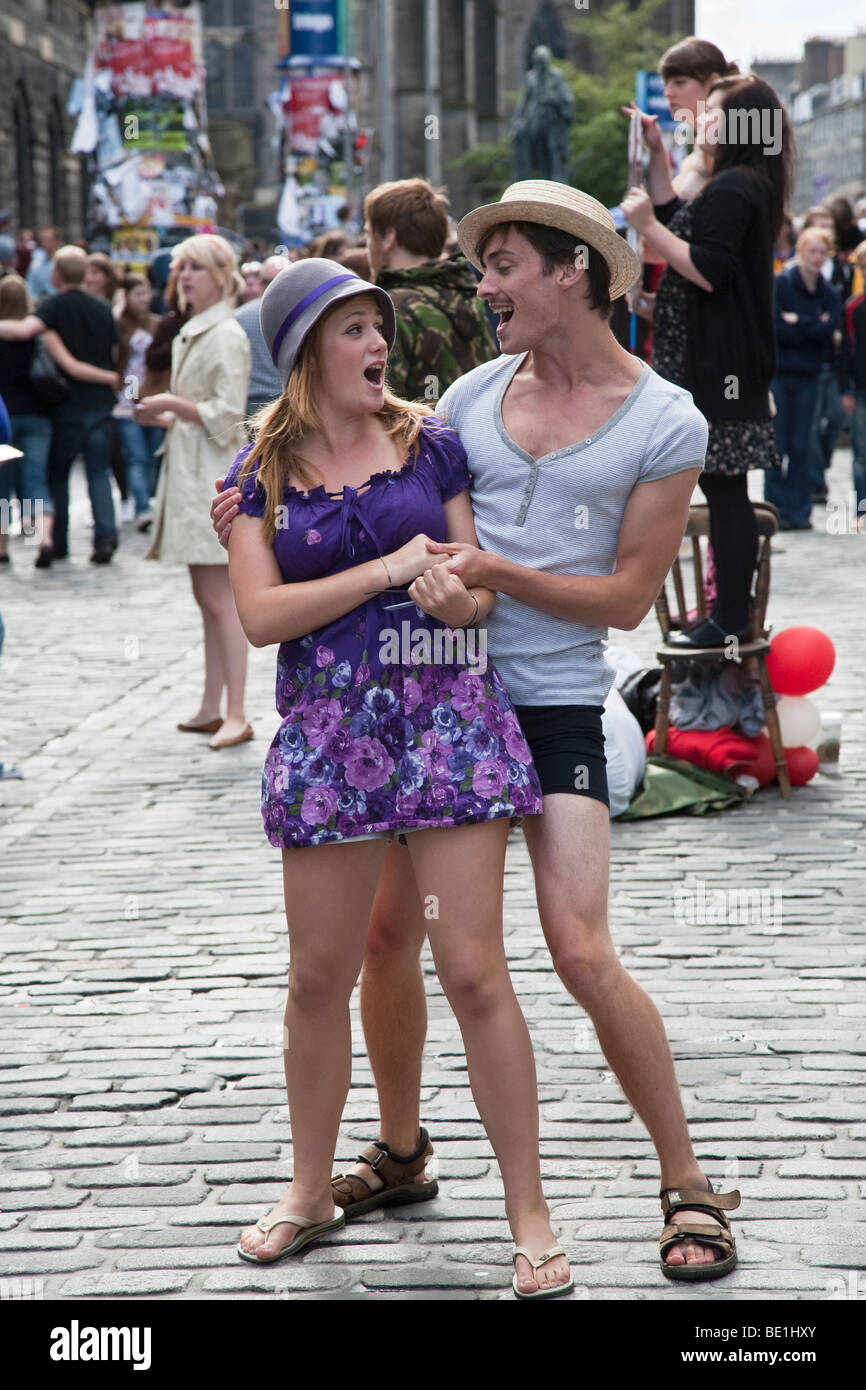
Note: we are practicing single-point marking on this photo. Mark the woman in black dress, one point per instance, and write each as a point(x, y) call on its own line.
point(714, 329)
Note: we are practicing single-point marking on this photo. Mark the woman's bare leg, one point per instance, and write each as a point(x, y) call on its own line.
point(329, 892)
point(461, 869)
point(394, 1004)
point(214, 679)
point(225, 648)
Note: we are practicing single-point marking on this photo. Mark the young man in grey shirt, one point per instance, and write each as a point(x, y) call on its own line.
point(583, 462)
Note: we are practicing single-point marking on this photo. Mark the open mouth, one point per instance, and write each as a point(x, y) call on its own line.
point(375, 374)
point(505, 312)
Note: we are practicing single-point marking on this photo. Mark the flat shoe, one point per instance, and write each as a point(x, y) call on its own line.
point(558, 1289)
point(310, 1231)
point(230, 742)
point(210, 727)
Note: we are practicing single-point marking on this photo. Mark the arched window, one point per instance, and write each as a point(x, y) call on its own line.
point(57, 165)
point(23, 135)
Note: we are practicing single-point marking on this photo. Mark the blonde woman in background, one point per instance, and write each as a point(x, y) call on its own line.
point(203, 412)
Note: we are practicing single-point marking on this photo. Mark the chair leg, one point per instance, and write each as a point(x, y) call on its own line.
point(663, 701)
point(773, 729)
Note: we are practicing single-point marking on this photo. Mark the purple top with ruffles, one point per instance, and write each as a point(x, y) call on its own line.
point(390, 720)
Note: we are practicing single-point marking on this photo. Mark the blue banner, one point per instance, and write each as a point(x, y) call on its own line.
point(315, 28)
point(649, 93)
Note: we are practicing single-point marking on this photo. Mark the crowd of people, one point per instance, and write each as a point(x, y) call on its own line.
point(385, 424)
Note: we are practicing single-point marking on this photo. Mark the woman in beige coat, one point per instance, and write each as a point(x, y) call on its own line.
point(203, 411)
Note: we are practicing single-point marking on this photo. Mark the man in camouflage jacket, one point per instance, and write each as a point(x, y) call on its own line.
point(442, 328)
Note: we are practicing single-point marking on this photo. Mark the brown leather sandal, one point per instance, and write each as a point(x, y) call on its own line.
point(355, 1195)
point(718, 1236)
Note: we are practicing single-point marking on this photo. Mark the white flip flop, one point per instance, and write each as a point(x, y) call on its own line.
point(310, 1231)
point(558, 1290)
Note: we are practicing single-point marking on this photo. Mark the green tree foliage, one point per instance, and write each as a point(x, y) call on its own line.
point(622, 41)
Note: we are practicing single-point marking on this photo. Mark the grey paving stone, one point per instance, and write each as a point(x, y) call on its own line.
point(48, 1262)
point(279, 1283)
point(120, 1175)
point(28, 1240)
point(124, 1100)
point(153, 1196)
point(89, 1219)
point(40, 1200)
point(438, 1276)
point(168, 1237)
point(127, 1136)
point(139, 1284)
point(180, 1257)
point(14, 1182)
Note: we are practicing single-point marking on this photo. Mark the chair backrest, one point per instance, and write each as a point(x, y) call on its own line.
point(698, 530)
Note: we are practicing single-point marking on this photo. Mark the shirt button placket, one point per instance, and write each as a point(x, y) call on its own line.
point(527, 496)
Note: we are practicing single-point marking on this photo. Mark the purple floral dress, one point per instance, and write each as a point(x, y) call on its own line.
point(377, 734)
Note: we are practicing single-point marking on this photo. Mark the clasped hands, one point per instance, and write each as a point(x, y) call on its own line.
point(436, 574)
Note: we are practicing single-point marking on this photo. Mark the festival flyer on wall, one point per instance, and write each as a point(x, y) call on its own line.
point(142, 119)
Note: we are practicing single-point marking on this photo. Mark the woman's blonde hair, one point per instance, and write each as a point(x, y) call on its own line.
point(16, 302)
point(280, 429)
point(815, 234)
point(217, 256)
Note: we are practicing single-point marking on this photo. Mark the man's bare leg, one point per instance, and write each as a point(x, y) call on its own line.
point(394, 1006)
point(570, 850)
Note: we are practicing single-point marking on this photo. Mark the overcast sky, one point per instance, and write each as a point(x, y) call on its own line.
point(749, 29)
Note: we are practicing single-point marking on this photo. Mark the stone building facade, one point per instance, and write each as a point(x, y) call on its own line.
point(441, 76)
point(43, 48)
point(241, 48)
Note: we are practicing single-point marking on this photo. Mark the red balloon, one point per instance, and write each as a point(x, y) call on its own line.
point(800, 660)
point(802, 765)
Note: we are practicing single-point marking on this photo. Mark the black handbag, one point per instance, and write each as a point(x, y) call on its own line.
point(46, 378)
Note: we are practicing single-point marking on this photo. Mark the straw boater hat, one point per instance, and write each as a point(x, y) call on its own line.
point(297, 298)
point(555, 205)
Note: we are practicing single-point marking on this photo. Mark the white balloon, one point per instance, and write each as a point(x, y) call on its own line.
point(799, 720)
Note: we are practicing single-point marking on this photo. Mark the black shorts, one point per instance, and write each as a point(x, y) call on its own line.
point(567, 746)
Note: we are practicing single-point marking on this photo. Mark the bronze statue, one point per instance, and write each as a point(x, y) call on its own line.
point(539, 128)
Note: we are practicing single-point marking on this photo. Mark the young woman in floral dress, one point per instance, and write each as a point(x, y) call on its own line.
point(340, 491)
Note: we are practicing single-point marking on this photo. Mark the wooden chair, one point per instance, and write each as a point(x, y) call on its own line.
point(754, 652)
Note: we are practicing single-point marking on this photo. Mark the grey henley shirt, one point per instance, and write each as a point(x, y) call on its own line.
point(562, 514)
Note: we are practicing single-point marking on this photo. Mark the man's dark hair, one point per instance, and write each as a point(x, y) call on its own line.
point(558, 248)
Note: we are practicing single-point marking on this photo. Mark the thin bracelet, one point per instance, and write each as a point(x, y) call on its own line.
point(390, 585)
point(474, 619)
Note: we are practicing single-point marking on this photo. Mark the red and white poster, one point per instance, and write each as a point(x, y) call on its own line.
point(157, 55)
point(306, 108)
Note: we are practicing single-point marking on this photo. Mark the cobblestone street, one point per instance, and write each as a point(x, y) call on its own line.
point(143, 981)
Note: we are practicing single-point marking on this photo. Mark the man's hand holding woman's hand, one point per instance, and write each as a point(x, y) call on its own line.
point(471, 565)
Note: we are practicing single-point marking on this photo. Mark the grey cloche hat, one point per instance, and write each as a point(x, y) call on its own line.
point(298, 297)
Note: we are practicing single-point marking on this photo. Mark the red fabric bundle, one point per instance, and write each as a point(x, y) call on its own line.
point(722, 751)
point(728, 753)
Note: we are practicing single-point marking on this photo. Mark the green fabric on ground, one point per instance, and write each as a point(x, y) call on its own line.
point(671, 785)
